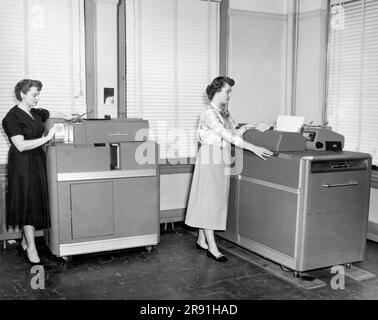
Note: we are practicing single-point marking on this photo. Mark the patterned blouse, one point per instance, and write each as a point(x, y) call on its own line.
point(216, 130)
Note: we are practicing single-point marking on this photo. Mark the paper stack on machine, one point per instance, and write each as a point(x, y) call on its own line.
point(289, 123)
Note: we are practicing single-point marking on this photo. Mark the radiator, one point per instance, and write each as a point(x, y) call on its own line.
point(2, 203)
point(4, 233)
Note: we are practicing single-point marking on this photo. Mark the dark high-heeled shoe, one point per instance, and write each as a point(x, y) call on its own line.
point(199, 247)
point(27, 259)
point(221, 258)
point(20, 249)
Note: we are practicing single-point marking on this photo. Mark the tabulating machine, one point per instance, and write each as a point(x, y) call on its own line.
point(103, 181)
point(307, 206)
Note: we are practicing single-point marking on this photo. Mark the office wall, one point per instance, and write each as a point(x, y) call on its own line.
point(174, 190)
point(310, 93)
point(256, 60)
point(373, 213)
point(263, 61)
point(271, 6)
point(311, 5)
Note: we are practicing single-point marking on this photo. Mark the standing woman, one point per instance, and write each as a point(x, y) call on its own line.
point(27, 201)
point(208, 200)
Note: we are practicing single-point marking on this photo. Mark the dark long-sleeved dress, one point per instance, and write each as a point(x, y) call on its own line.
point(27, 201)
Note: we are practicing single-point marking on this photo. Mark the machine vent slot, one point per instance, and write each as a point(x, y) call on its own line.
point(338, 165)
point(341, 164)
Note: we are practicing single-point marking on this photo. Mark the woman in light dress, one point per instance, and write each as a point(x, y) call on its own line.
point(208, 200)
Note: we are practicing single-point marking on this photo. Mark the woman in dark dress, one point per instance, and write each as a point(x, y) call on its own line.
point(27, 200)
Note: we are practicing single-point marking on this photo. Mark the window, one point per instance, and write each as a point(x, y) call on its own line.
point(352, 104)
point(44, 40)
point(172, 54)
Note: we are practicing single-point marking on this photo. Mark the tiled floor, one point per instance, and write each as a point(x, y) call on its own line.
point(173, 270)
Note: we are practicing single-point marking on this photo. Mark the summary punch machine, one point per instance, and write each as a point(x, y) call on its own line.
point(103, 184)
point(307, 206)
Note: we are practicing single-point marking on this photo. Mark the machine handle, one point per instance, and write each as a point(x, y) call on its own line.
point(350, 183)
point(118, 134)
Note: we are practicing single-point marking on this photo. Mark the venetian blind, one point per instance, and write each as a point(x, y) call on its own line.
point(44, 40)
point(172, 54)
point(352, 104)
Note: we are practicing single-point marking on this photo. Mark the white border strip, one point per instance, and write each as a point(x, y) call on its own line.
point(299, 221)
point(96, 175)
point(107, 245)
point(268, 252)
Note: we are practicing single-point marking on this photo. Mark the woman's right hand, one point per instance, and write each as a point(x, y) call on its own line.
point(52, 132)
point(260, 151)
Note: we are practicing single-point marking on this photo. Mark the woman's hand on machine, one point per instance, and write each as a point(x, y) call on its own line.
point(261, 126)
point(261, 152)
point(244, 128)
point(52, 132)
point(69, 117)
point(248, 126)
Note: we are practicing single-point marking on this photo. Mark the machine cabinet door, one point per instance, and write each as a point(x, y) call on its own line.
point(137, 206)
point(267, 216)
point(92, 209)
point(337, 214)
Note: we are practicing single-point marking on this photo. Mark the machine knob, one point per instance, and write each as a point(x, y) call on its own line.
point(319, 145)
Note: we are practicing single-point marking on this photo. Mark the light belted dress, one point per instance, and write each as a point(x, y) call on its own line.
point(208, 199)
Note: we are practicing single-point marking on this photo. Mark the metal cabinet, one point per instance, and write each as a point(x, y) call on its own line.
point(317, 220)
point(101, 196)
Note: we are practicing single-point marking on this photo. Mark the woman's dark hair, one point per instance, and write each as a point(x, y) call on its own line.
point(24, 86)
point(217, 84)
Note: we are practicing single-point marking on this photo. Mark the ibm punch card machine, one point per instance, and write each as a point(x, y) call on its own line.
point(307, 206)
point(103, 186)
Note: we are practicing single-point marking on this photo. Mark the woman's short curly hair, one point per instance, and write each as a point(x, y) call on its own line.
point(217, 84)
point(24, 86)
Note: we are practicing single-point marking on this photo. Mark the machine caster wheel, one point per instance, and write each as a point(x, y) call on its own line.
point(283, 268)
point(303, 276)
point(67, 259)
point(348, 266)
point(149, 248)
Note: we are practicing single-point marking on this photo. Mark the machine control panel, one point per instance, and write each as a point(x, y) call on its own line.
point(322, 138)
point(309, 135)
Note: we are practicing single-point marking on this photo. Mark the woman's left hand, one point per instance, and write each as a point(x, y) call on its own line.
point(248, 126)
point(244, 128)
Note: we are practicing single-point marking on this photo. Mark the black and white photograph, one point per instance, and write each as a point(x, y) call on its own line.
point(189, 156)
